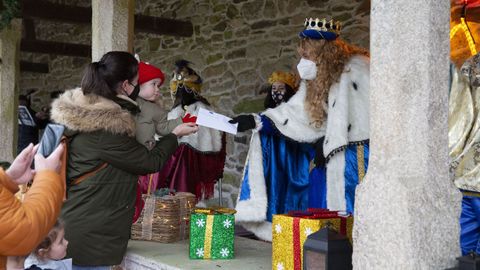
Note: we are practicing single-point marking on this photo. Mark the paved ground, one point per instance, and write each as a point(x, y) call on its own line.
point(249, 255)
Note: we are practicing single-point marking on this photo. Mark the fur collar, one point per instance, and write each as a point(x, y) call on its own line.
point(291, 119)
point(348, 111)
point(348, 107)
point(88, 113)
point(252, 212)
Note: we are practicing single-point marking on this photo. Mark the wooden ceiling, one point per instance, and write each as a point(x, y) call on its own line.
point(35, 10)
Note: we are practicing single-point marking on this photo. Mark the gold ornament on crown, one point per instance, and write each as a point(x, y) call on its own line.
point(284, 77)
point(323, 25)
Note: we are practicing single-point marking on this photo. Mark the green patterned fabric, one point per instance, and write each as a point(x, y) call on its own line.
point(222, 236)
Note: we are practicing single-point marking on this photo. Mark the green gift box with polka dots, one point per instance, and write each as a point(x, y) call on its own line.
point(212, 235)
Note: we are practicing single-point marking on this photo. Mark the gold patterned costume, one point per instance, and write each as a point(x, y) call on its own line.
point(464, 146)
point(464, 129)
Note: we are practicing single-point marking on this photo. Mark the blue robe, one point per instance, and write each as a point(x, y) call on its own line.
point(470, 225)
point(290, 184)
point(352, 174)
point(286, 166)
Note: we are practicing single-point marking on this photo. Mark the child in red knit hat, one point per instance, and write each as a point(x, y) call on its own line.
point(151, 121)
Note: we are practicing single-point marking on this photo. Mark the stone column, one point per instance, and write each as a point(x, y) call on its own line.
point(407, 208)
point(112, 26)
point(9, 76)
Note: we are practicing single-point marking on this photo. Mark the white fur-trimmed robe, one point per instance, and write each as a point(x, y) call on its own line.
point(205, 139)
point(347, 122)
point(199, 160)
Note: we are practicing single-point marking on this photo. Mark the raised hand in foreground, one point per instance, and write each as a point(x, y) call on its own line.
point(52, 162)
point(20, 171)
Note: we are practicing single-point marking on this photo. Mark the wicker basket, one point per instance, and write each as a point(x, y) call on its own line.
point(164, 219)
point(159, 220)
point(187, 203)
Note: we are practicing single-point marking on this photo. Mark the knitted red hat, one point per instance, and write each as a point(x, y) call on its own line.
point(147, 72)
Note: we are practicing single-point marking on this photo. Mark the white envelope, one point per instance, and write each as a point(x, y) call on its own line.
point(215, 120)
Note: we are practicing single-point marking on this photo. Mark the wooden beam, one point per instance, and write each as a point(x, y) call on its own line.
point(56, 12)
point(51, 47)
point(74, 14)
point(26, 66)
point(29, 28)
point(33, 67)
point(162, 26)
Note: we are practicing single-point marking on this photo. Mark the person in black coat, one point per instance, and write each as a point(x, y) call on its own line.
point(28, 131)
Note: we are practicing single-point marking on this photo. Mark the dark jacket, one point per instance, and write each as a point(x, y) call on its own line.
point(98, 212)
point(29, 134)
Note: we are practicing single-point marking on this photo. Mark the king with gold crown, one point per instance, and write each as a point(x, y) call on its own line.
point(311, 151)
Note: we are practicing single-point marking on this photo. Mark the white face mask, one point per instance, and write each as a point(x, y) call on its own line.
point(307, 69)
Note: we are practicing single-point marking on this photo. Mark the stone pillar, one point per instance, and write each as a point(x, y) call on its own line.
point(9, 75)
point(112, 26)
point(407, 208)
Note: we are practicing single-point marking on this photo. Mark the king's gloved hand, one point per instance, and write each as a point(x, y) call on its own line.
point(245, 122)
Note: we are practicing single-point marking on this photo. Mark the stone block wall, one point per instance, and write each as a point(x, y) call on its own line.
point(65, 72)
point(236, 44)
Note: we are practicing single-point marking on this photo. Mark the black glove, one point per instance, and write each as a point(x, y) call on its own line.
point(319, 158)
point(245, 122)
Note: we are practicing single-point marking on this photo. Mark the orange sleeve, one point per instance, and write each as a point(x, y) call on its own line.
point(7, 182)
point(24, 225)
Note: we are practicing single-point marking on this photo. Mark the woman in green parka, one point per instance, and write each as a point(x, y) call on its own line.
point(104, 159)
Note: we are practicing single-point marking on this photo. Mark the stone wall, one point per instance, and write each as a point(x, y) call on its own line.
point(65, 72)
point(236, 44)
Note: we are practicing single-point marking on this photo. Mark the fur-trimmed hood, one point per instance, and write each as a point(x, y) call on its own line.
point(88, 113)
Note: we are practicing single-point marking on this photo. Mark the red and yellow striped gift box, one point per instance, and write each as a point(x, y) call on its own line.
point(290, 232)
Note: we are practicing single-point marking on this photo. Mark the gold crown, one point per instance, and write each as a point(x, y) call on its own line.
point(323, 25)
point(284, 77)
